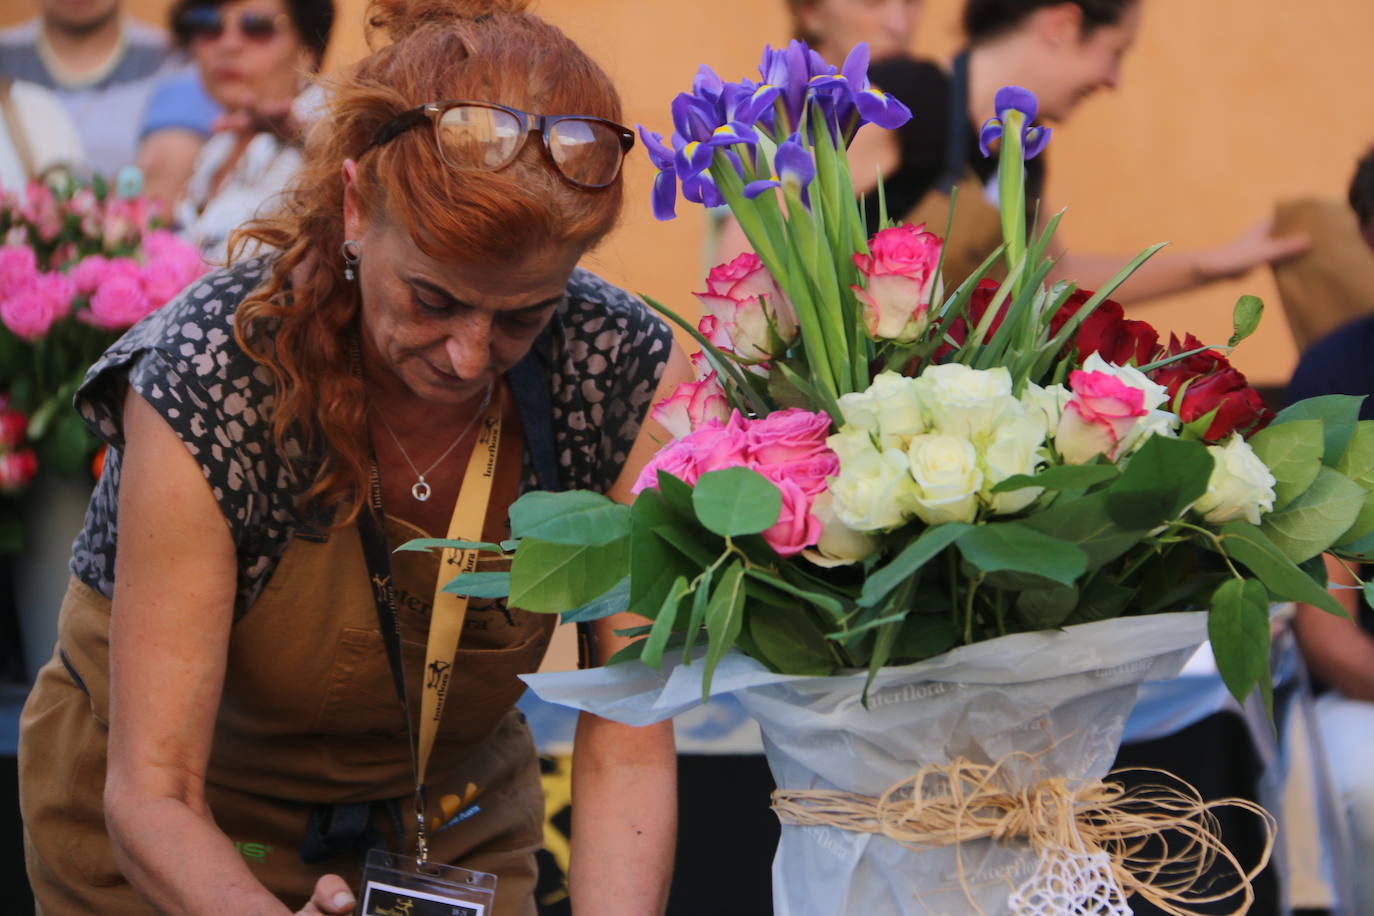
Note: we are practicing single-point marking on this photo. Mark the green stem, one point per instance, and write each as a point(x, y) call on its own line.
point(1011, 192)
point(968, 608)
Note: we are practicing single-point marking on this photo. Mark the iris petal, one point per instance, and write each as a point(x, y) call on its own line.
point(1036, 140)
point(1015, 98)
point(991, 131)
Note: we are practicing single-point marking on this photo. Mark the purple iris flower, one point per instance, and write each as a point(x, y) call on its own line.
point(853, 101)
point(665, 183)
point(1014, 98)
point(794, 168)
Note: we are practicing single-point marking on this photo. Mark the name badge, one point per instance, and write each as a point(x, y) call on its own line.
point(395, 886)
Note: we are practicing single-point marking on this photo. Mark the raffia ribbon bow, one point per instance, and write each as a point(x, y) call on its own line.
point(1098, 842)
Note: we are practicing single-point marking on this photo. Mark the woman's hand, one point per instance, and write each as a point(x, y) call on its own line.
point(1254, 248)
point(331, 897)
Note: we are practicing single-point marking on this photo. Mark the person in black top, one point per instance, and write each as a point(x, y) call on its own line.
point(1340, 651)
point(1063, 51)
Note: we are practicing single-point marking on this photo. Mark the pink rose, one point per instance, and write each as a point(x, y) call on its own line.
point(160, 243)
point(13, 426)
point(899, 274)
point(752, 312)
point(18, 268)
point(17, 470)
point(714, 446)
point(797, 527)
point(30, 312)
point(691, 406)
point(119, 302)
point(89, 273)
point(1102, 412)
point(162, 279)
point(41, 209)
point(791, 443)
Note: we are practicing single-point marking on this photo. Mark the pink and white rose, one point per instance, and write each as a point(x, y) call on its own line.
point(899, 275)
point(752, 312)
point(692, 406)
point(1110, 408)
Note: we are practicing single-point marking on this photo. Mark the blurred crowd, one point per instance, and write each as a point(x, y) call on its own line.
point(209, 112)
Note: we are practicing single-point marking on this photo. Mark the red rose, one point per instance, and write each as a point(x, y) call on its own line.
point(17, 469)
point(1107, 331)
point(1238, 406)
point(1174, 375)
point(13, 425)
point(978, 303)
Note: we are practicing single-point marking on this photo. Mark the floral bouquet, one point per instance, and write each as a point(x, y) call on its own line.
point(934, 535)
point(79, 264)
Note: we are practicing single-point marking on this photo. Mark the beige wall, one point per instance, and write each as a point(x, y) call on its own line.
point(1226, 107)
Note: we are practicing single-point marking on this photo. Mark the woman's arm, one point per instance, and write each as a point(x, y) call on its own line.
point(1177, 271)
point(625, 778)
point(1336, 648)
point(175, 582)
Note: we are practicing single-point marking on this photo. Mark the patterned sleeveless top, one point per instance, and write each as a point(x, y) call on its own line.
point(606, 353)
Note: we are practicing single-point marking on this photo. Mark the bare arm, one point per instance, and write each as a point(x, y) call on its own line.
point(1337, 649)
point(167, 157)
point(1177, 271)
point(625, 778)
point(169, 640)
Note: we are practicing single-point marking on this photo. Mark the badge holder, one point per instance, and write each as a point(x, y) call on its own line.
point(398, 886)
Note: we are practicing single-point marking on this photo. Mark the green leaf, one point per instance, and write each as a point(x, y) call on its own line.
point(882, 651)
point(1293, 453)
point(925, 636)
point(790, 641)
point(700, 595)
point(663, 624)
point(11, 531)
point(480, 585)
point(571, 517)
point(1238, 627)
point(423, 544)
point(1104, 599)
point(1017, 547)
point(688, 543)
point(1358, 464)
point(724, 617)
point(1161, 480)
point(1086, 522)
point(736, 501)
point(1339, 414)
point(614, 601)
point(654, 563)
point(915, 555)
point(1248, 545)
point(677, 494)
point(1064, 477)
point(831, 606)
point(1046, 608)
point(1245, 318)
point(1317, 518)
point(552, 578)
point(1368, 591)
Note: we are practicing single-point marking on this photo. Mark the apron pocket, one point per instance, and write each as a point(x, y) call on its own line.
point(86, 841)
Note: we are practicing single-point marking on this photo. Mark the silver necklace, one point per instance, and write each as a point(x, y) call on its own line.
point(421, 489)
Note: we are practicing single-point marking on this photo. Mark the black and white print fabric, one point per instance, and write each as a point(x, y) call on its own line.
point(608, 353)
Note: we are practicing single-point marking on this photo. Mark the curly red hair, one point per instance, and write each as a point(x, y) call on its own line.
point(301, 323)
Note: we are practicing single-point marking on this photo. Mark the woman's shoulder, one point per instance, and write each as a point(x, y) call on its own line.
point(185, 350)
point(608, 317)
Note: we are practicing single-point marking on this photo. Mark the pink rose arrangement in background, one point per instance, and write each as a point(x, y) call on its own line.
point(79, 265)
point(899, 276)
point(787, 447)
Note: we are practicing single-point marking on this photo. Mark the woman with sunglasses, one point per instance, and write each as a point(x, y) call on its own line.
point(233, 715)
point(253, 56)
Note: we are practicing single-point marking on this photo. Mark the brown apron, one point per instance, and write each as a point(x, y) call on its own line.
point(309, 718)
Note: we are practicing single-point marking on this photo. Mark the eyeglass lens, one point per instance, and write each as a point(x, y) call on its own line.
point(471, 136)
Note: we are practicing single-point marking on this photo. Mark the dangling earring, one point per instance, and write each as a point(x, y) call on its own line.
point(351, 252)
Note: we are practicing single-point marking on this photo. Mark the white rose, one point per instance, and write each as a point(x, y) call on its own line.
point(1015, 449)
point(839, 545)
point(888, 408)
point(1154, 423)
point(966, 403)
point(874, 490)
point(947, 477)
point(1240, 486)
point(850, 443)
point(1155, 394)
point(1045, 405)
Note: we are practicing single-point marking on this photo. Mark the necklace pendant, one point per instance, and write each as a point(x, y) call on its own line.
point(420, 490)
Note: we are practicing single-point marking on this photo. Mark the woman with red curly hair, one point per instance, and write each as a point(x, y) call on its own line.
point(232, 714)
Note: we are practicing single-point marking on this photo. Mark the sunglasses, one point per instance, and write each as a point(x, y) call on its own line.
point(206, 23)
point(585, 151)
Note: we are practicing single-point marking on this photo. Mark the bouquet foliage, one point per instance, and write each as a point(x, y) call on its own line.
point(878, 463)
point(79, 264)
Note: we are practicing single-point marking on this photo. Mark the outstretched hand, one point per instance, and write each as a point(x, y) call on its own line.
point(331, 898)
point(1252, 249)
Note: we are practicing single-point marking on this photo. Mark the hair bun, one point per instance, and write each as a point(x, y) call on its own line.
point(399, 18)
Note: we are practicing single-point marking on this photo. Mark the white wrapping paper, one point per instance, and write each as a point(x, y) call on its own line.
point(1061, 695)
